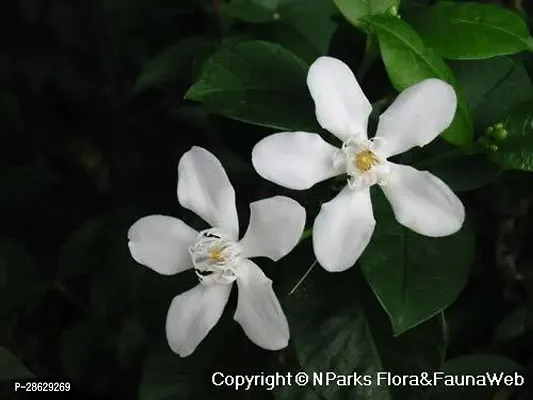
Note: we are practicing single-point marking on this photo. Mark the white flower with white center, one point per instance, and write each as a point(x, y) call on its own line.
point(168, 246)
point(299, 160)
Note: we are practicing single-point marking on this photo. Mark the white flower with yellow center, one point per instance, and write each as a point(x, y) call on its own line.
point(168, 246)
point(299, 160)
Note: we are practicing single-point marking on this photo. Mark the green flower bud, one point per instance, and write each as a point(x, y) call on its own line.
point(499, 125)
point(500, 134)
point(276, 16)
point(493, 148)
point(393, 11)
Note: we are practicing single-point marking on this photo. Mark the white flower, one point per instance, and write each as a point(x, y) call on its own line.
point(168, 246)
point(298, 160)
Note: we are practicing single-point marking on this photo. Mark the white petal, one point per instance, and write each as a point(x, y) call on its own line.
point(296, 160)
point(343, 229)
point(161, 243)
point(193, 314)
point(258, 309)
point(276, 225)
point(204, 188)
point(417, 116)
point(341, 107)
point(422, 202)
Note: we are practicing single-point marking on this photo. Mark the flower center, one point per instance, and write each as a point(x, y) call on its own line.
point(358, 157)
point(365, 160)
point(215, 257)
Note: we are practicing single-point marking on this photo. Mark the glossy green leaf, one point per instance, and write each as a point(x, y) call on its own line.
point(355, 10)
point(304, 28)
point(492, 87)
point(516, 151)
point(473, 31)
point(257, 11)
point(414, 277)
point(349, 333)
point(300, 26)
point(173, 65)
point(311, 20)
point(408, 61)
point(479, 364)
point(11, 367)
point(257, 82)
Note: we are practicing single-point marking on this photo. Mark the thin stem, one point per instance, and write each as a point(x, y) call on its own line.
point(368, 58)
point(302, 278)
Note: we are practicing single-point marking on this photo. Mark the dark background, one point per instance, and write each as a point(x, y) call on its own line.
point(83, 155)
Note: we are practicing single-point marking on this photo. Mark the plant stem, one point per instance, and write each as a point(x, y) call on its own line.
point(370, 55)
point(302, 278)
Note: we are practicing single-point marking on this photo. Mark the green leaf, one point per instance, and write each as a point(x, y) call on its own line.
point(11, 367)
point(293, 40)
point(479, 364)
point(255, 11)
point(492, 87)
point(311, 20)
point(355, 10)
point(167, 376)
point(349, 333)
point(172, 65)
point(302, 27)
point(408, 61)
point(99, 249)
point(257, 82)
point(472, 31)
point(516, 151)
point(295, 392)
point(466, 173)
point(514, 324)
point(412, 10)
point(414, 277)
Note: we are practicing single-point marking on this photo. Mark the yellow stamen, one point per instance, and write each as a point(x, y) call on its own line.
point(216, 255)
point(365, 160)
